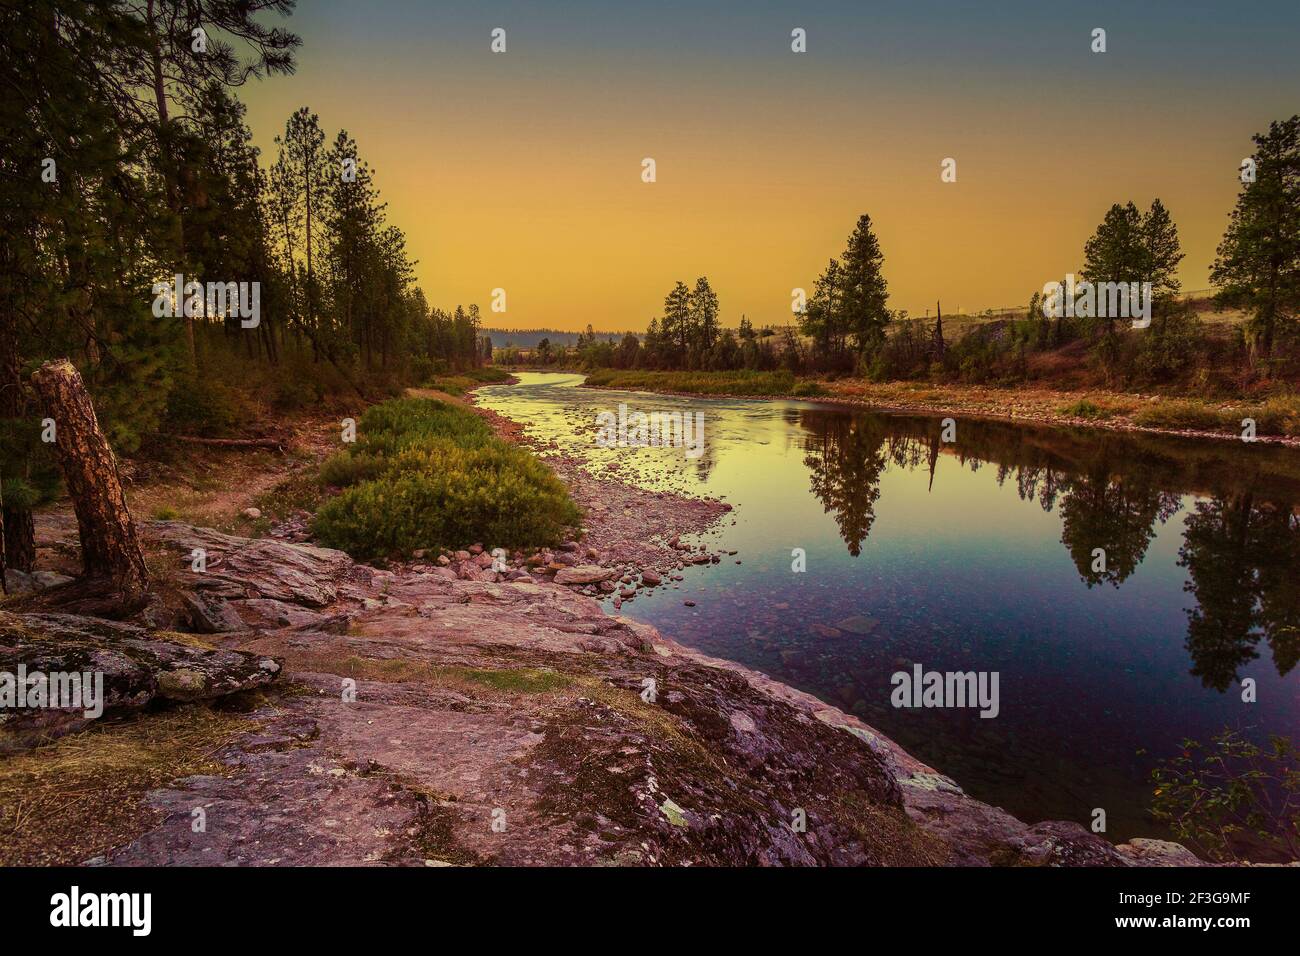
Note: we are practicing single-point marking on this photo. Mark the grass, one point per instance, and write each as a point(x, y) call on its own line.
point(426, 474)
point(85, 793)
point(508, 680)
point(1275, 416)
point(703, 383)
point(459, 383)
point(1098, 408)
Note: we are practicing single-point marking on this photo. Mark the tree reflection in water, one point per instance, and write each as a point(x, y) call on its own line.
point(1241, 545)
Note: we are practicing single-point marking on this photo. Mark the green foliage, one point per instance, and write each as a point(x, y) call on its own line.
point(204, 406)
point(1186, 413)
point(1232, 796)
point(1083, 408)
point(1167, 350)
point(425, 474)
point(700, 383)
point(1258, 262)
point(461, 383)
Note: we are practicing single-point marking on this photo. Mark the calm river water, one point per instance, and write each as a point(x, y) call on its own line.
point(978, 555)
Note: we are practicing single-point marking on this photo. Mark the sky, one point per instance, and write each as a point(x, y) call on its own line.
point(522, 170)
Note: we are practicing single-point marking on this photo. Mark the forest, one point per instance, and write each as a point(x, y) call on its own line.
point(129, 162)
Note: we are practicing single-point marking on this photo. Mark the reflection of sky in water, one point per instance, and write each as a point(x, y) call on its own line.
point(967, 575)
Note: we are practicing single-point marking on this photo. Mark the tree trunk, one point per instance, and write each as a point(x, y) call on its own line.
point(17, 535)
point(110, 548)
point(937, 346)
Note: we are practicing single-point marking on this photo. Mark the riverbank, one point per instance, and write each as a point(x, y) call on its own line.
point(432, 714)
point(1277, 421)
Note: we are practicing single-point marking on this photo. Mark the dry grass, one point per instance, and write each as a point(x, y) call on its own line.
point(85, 794)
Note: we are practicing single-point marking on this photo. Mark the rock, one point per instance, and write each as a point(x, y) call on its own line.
point(689, 603)
point(609, 587)
point(484, 560)
point(476, 549)
point(824, 630)
point(583, 574)
point(240, 568)
point(137, 666)
point(444, 560)
point(463, 555)
point(1147, 852)
point(252, 514)
point(857, 624)
point(210, 613)
point(49, 579)
point(18, 582)
point(651, 579)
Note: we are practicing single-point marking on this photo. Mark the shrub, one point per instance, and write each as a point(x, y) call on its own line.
point(1183, 414)
point(202, 405)
point(1169, 348)
point(425, 474)
point(1084, 408)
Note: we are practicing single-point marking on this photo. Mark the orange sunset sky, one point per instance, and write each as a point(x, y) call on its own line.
point(522, 170)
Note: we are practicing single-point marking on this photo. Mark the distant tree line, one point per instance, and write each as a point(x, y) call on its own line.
point(846, 326)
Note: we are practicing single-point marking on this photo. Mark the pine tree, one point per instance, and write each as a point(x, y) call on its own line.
point(1258, 262)
point(703, 307)
point(863, 290)
point(676, 323)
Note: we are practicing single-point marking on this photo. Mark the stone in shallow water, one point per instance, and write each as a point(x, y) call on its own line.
point(857, 624)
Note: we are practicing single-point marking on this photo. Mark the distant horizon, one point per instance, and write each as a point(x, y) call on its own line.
point(521, 170)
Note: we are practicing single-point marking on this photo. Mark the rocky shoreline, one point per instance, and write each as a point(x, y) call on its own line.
point(420, 719)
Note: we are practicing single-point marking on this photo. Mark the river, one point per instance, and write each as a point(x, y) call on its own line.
point(980, 554)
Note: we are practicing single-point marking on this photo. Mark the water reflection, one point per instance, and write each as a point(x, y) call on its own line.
point(1241, 550)
point(1242, 556)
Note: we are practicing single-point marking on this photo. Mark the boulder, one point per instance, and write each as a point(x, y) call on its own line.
point(583, 574)
point(129, 666)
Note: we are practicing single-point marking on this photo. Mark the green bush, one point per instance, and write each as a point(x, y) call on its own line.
point(202, 405)
point(1169, 348)
point(1083, 408)
point(426, 474)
